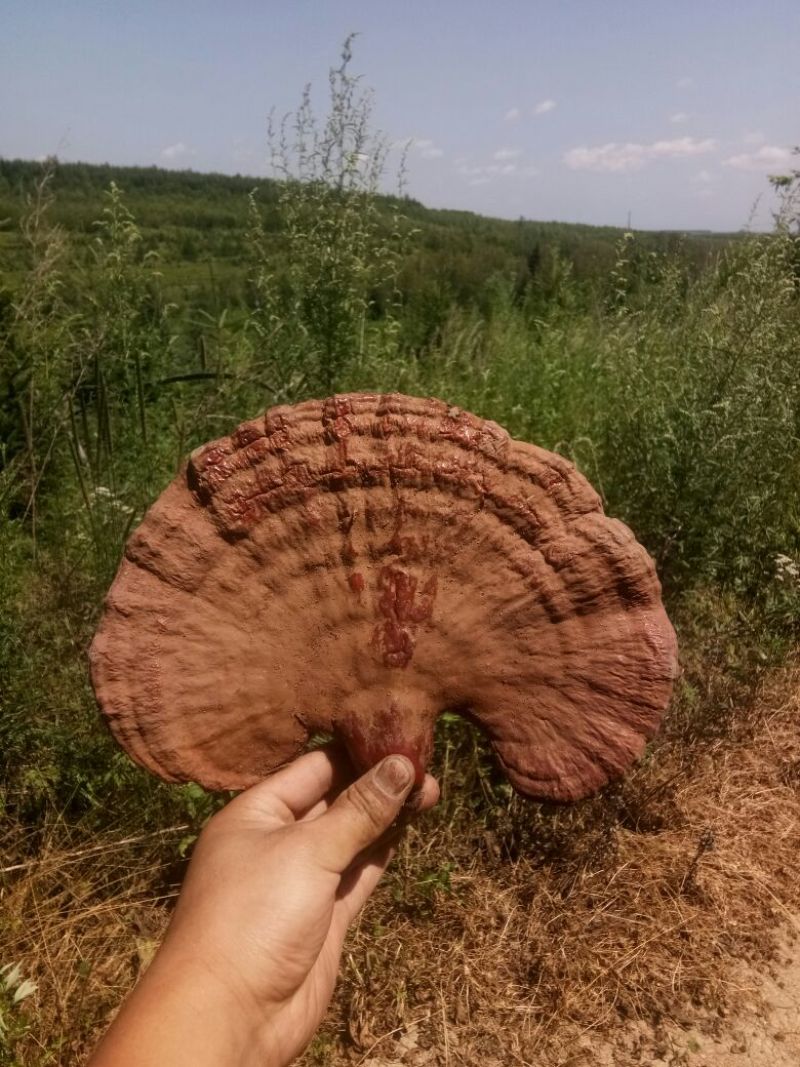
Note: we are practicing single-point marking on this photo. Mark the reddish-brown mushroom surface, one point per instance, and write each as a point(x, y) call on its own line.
point(361, 564)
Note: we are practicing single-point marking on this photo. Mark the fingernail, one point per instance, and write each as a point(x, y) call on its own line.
point(395, 775)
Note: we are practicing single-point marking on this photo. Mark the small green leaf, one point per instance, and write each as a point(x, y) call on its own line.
point(185, 844)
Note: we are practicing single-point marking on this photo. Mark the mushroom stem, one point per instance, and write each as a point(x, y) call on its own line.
point(398, 726)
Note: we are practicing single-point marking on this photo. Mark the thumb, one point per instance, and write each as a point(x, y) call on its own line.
point(363, 812)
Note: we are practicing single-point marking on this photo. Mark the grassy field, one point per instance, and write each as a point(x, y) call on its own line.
point(143, 313)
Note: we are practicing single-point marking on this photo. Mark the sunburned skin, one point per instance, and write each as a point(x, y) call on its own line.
point(361, 564)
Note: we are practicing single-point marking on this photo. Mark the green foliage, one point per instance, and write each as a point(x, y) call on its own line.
point(200, 225)
point(34, 337)
point(122, 344)
point(338, 251)
point(787, 186)
point(702, 453)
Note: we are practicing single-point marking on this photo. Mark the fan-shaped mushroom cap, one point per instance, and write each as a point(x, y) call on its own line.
point(360, 565)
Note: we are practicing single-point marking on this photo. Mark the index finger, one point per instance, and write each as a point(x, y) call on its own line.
point(301, 784)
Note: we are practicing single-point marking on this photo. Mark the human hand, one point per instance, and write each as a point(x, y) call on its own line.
point(250, 959)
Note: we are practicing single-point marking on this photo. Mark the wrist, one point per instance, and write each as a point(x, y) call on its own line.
point(183, 1012)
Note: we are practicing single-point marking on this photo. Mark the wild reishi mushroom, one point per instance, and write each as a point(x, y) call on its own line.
point(361, 564)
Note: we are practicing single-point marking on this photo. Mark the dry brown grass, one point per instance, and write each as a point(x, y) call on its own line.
point(512, 938)
point(81, 919)
point(688, 869)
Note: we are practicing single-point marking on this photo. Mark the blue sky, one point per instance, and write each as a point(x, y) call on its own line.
point(579, 110)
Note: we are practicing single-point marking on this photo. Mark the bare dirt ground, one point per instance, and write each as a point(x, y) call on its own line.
point(764, 1032)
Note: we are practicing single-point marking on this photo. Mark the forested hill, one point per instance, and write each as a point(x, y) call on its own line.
point(197, 222)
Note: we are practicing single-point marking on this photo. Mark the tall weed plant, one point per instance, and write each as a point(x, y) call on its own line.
point(35, 342)
point(333, 311)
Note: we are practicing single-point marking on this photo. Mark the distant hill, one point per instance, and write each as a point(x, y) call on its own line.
point(197, 222)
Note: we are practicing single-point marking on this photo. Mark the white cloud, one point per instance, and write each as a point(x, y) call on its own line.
point(682, 146)
point(616, 158)
point(177, 151)
point(768, 157)
point(684, 83)
point(512, 114)
point(503, 154)
point(754, 137)
point(678, 117)
point(479, 174)
point(427, 148)
point(544, 106)
point(703, 177)
point(611, 157)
